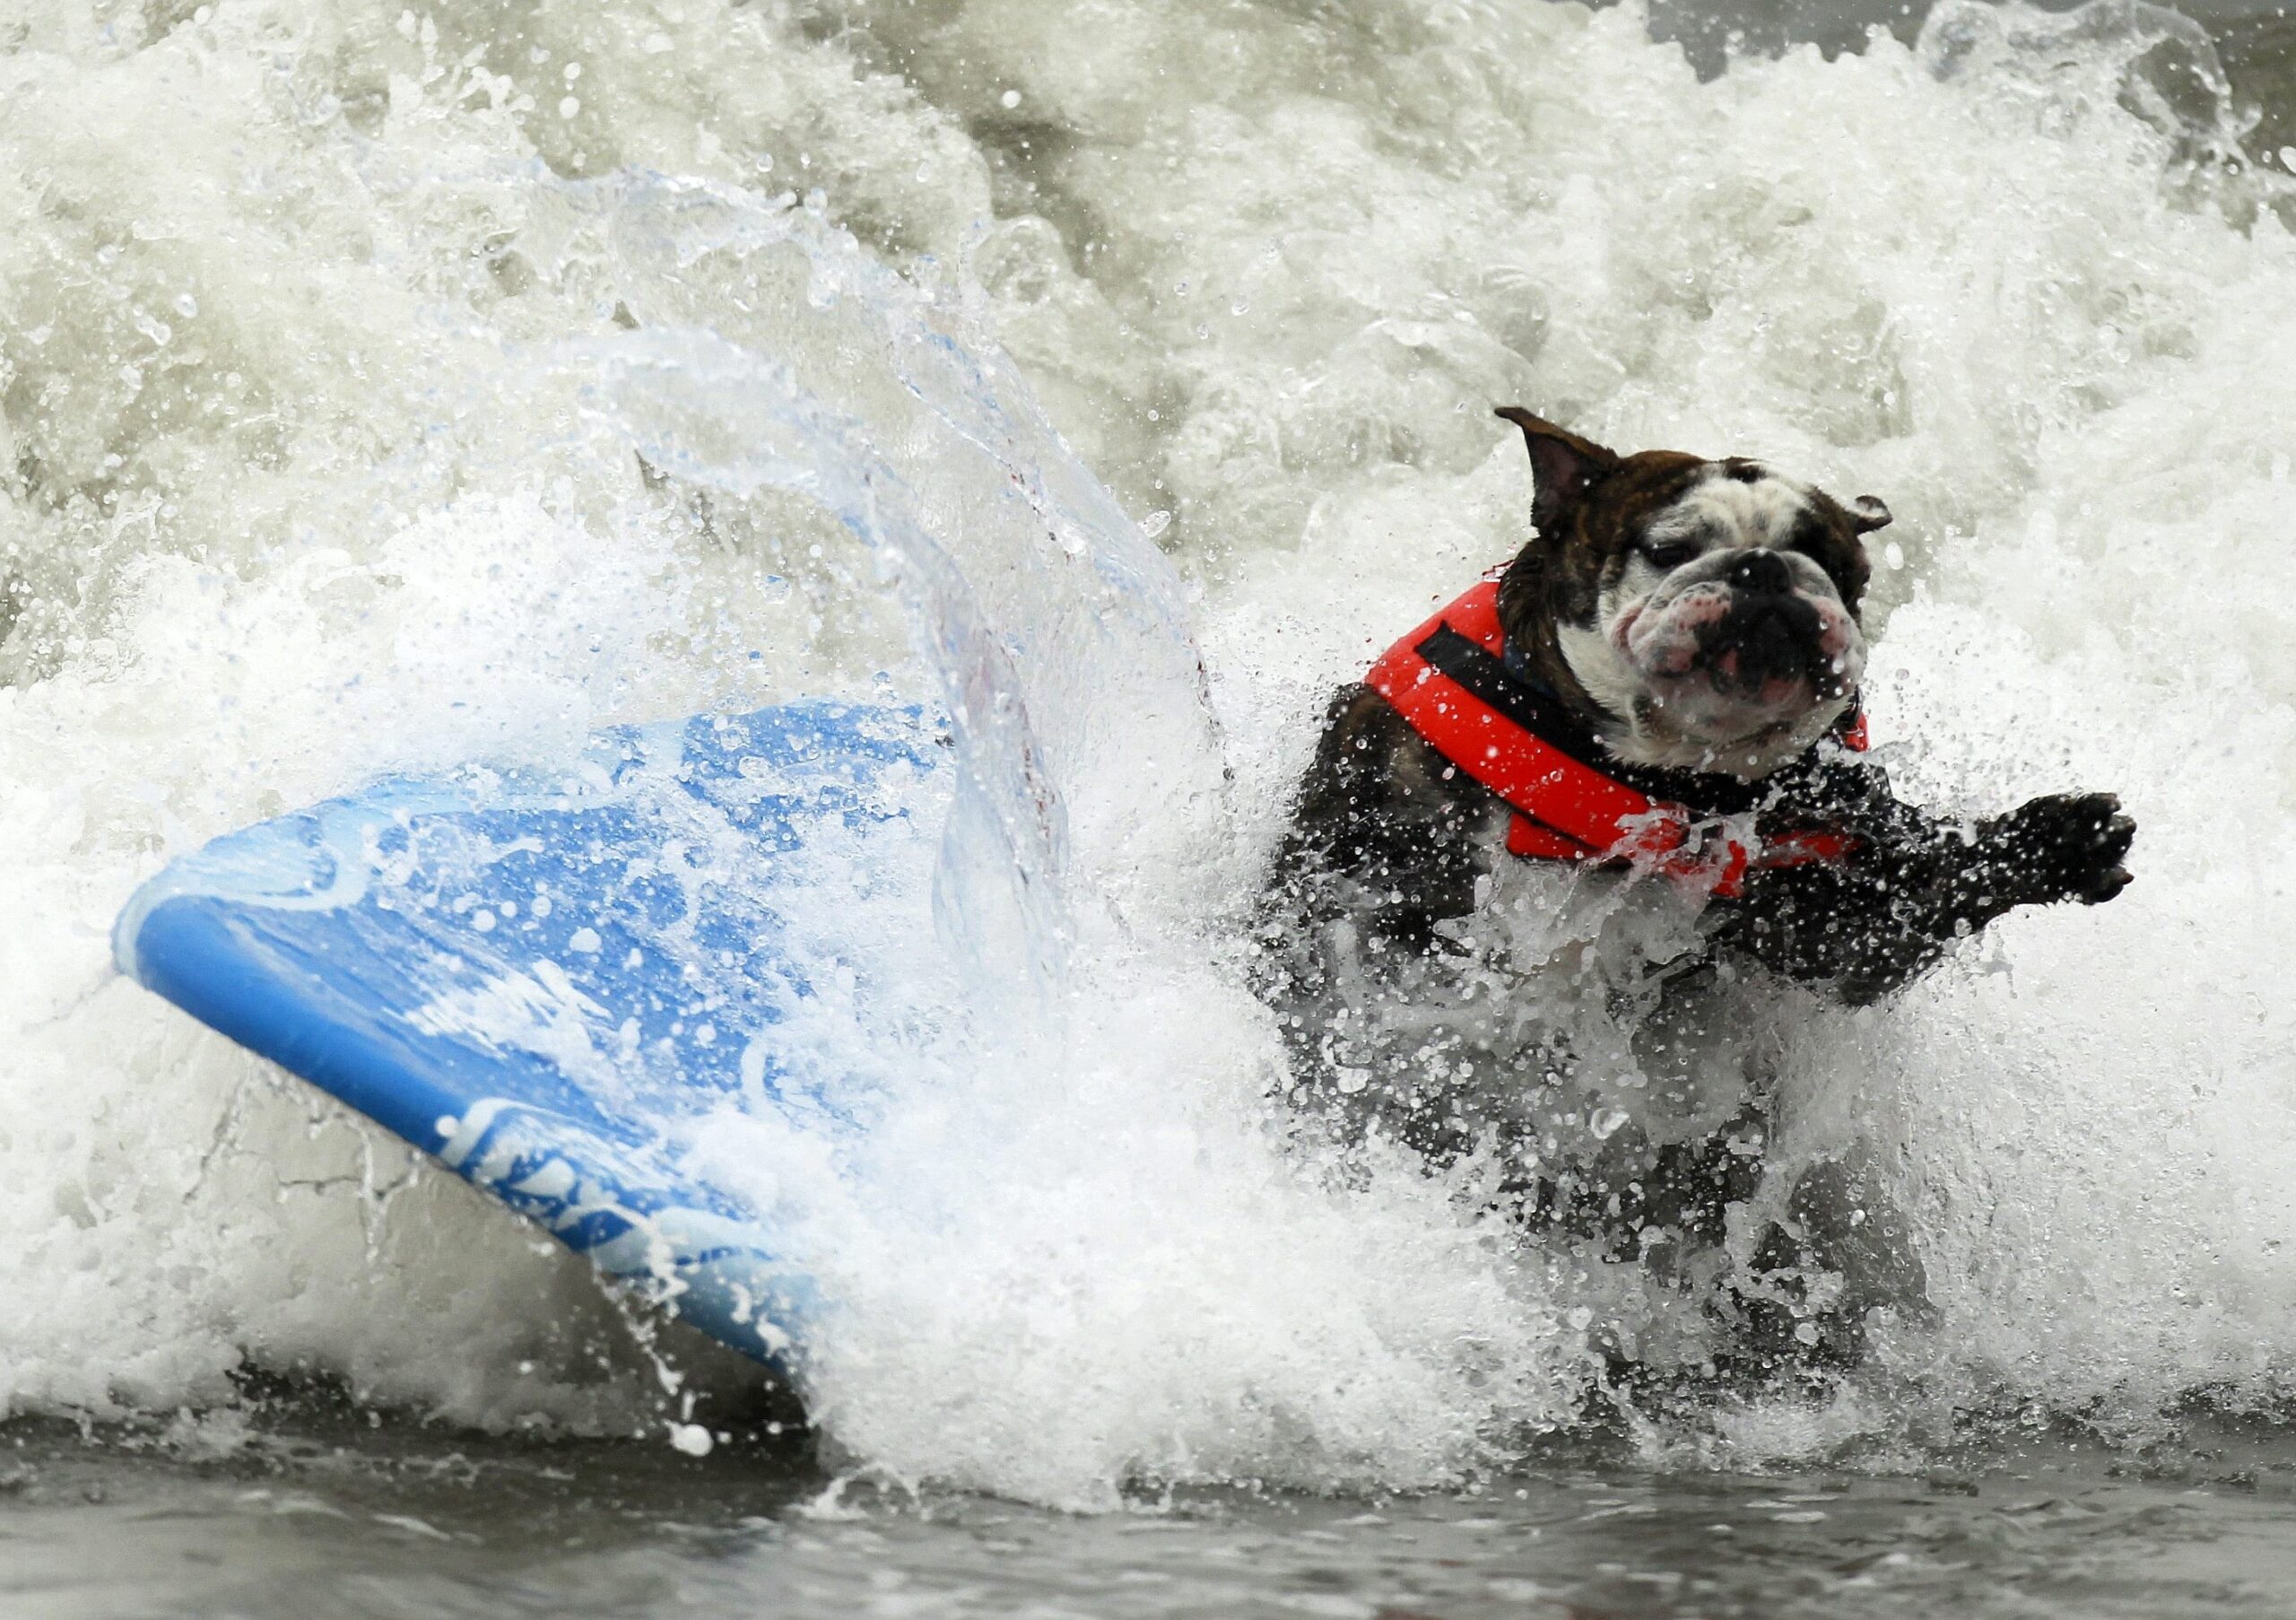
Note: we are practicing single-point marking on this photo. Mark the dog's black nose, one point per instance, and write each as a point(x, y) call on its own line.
point(1763, 571)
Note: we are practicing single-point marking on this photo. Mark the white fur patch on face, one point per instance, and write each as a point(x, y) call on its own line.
point(1729, 511)
point(1609, 677)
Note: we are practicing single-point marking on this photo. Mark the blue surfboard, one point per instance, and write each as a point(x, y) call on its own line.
point(540, 977)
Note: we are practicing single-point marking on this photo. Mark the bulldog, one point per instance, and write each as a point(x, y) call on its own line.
point(1572, 859)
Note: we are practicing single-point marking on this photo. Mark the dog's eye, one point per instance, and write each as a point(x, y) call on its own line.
point(1669, 553)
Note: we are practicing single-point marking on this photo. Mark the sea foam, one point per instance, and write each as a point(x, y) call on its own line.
point(403, 414)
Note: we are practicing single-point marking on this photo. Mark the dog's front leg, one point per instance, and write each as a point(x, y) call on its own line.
point(2059, 847)
point(1871, 926)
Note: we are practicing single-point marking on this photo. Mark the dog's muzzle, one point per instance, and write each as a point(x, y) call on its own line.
point(1769, 636)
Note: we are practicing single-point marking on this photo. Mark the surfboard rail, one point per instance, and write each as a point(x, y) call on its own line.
point(542, 979)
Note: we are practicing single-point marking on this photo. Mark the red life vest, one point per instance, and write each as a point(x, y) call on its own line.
point(1449, 682)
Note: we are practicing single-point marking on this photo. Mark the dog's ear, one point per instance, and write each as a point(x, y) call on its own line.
point(1866, 514)
point(1563, 467)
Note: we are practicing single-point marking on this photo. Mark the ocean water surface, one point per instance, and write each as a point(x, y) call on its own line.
point(385, 386)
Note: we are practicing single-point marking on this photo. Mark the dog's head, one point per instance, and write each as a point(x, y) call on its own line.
point(1704, 612)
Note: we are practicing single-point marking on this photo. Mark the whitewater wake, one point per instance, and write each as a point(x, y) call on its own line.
point(383, 388)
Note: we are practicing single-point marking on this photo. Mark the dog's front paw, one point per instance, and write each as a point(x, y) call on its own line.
point(2061, 846)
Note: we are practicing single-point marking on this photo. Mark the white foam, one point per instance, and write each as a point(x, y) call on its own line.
point(311, 482)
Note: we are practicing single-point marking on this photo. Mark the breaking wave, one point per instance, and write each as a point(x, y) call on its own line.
point(383, 388)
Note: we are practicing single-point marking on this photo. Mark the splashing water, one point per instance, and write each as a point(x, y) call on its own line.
point(470, 378)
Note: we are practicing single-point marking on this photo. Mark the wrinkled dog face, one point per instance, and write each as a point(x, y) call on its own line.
point(1708, 608)
point(1718, 626)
